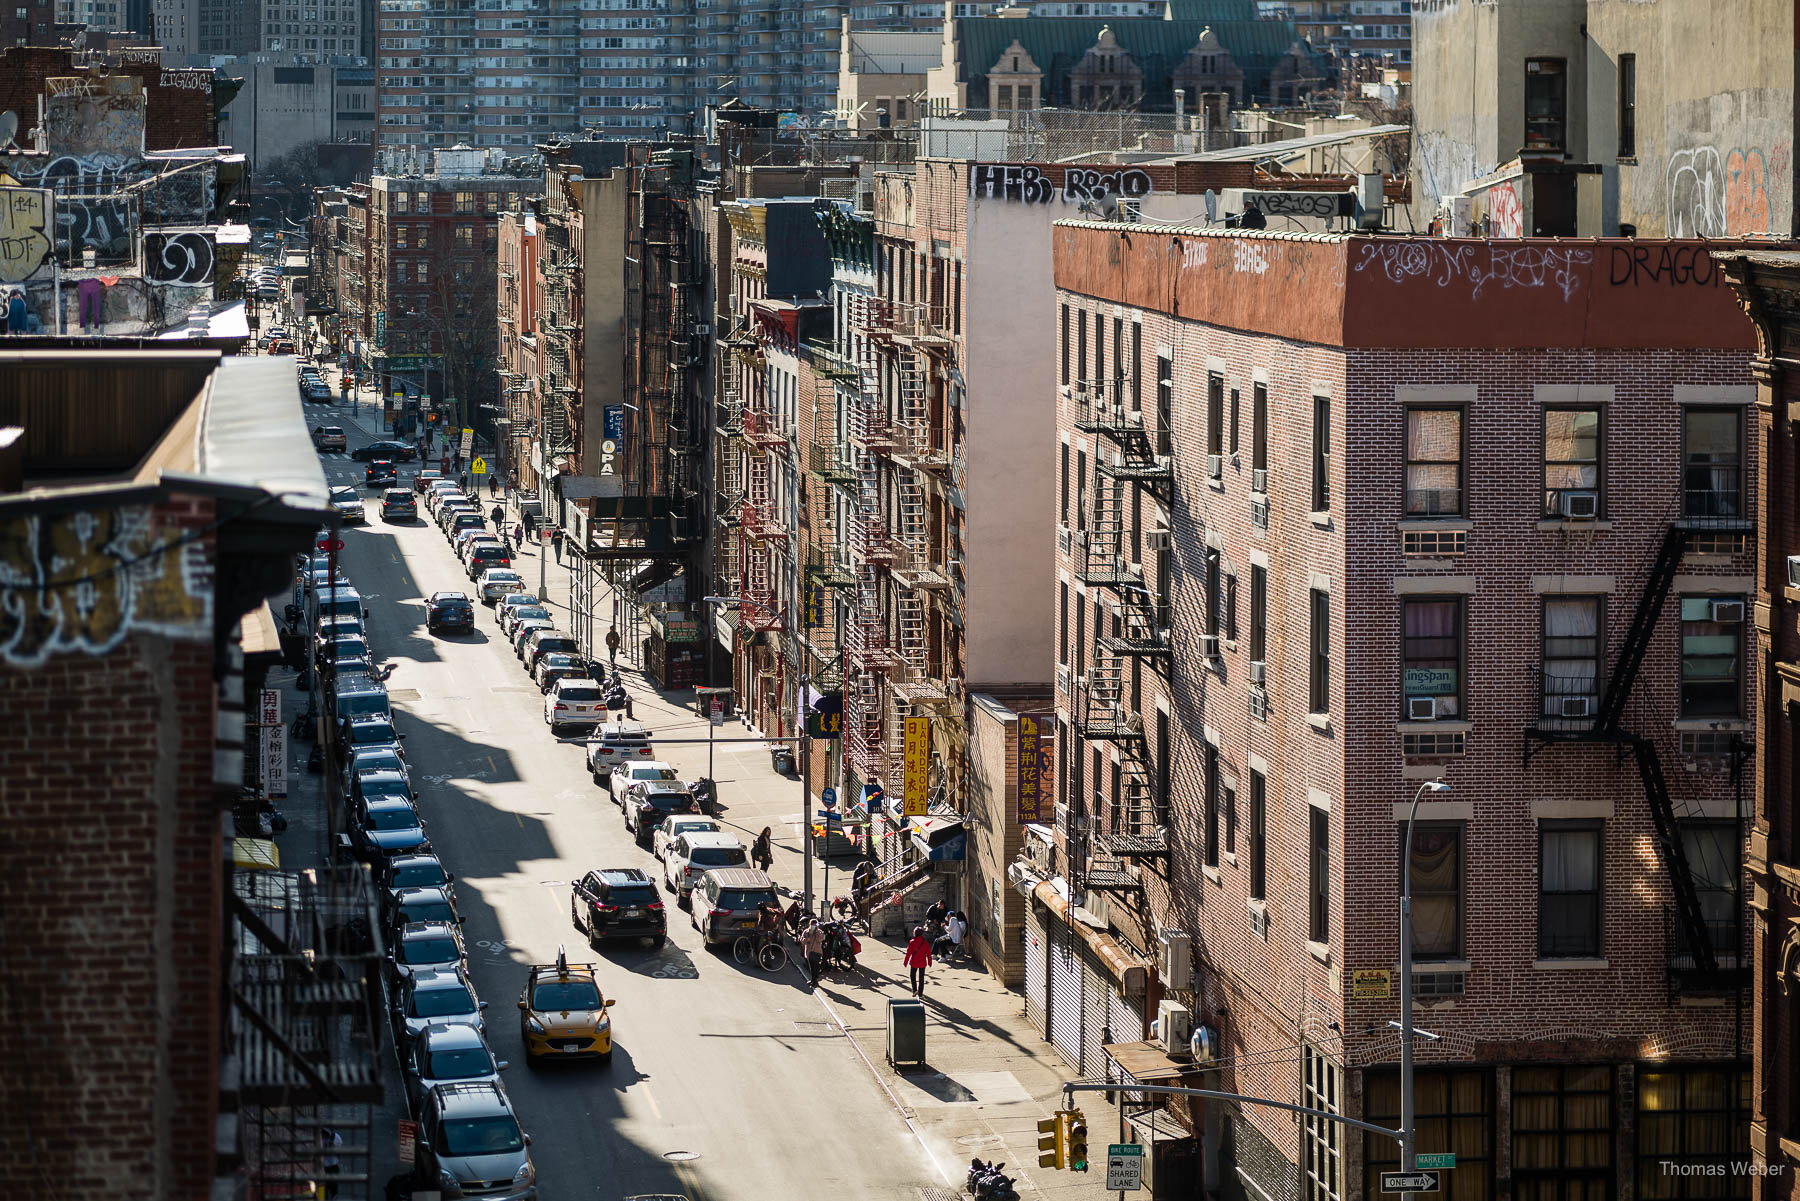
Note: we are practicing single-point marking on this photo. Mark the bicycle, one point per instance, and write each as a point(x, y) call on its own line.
point(767, 951)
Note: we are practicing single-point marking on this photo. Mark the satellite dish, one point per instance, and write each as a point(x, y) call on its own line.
point(9, 127)
point(1203, 1045)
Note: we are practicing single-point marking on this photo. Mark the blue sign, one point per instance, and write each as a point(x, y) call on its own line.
point(612, 425)
point(830, 818)
point(828, 798)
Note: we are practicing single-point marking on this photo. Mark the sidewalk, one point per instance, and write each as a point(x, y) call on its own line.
point(990, 1075)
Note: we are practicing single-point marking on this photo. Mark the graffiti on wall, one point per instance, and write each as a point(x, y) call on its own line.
point(1027, 184)
point(86, 115)
point(1714, 194)
point(1506, 216)
point(183, 258)
point(1664, 266)
point(93, 211)
point(1478, 265)
point(182, 196)
point(80, 583)
point(24, 233)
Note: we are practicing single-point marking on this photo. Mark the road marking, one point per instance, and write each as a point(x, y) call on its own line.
point(520, 820)
point(650, 1099)
point(905, 1113)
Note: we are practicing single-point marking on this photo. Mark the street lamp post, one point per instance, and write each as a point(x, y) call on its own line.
point(1407, 1126)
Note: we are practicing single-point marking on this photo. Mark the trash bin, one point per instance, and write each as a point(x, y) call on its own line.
point(782, 760)
point(905, 1033)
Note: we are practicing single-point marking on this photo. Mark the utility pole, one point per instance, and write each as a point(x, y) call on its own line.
point(1408, 1131)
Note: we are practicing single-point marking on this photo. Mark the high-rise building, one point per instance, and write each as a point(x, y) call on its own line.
point(94, 14)
point(186, 27)
point(27, 23)
point(311, 29)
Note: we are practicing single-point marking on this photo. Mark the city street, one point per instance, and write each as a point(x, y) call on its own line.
point(727, 1082)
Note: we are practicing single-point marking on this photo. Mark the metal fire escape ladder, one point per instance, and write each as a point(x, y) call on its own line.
point(1643, 626)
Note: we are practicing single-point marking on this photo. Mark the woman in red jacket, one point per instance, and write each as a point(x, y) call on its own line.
point(918, 958)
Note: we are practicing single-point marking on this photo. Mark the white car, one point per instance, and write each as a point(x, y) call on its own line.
point(526, 608)
point(693, 855)
point(629, 772)
point(615, 743)
point(497, 582)
point(677, 824)
point(574, 703)
point(520, 629)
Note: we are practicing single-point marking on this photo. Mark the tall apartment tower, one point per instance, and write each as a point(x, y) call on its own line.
point(184, 27)
point(312, 29)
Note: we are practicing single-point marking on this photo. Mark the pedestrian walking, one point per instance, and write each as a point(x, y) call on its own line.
point(918, 958)
point(498, 517)
point(612, 646)
point(760, 852)
point(518, 538)
point(556, 541)
point(462, 481)
point(493, 485)
point(812, 940)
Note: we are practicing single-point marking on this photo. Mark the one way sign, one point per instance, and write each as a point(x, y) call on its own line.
point(1409, 1182)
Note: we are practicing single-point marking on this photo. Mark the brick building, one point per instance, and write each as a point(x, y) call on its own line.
point(1339, 516)
point(1769, 283)
point(152, 504)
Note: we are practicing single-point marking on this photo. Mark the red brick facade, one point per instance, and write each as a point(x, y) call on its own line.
point(1363, 329)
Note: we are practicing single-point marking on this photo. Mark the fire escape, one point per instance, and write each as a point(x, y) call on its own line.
point(869, 655)
point(1136, 825)
point(760, 524)
point(1709, 516)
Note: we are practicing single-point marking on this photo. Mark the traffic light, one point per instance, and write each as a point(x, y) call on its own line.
point(1077, 1139)
point(1053, 1150)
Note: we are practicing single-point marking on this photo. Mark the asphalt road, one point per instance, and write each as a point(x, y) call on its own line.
point(726, 1082)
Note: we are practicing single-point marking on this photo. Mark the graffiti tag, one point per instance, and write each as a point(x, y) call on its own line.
point(1477, 265)
point(1027, 184)
point(1302, 204)
point(24, 244)
point(1675, 266)
point(185, 258)
point(1505, 214)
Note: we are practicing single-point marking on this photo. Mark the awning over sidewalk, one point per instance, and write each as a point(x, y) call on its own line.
point(1145, 1063)
point(1123, 965)
point(940, 837)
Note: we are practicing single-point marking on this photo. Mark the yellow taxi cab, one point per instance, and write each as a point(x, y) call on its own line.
point(562, 1014)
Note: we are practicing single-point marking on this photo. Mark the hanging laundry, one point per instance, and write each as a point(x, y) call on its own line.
point(89, 294)
point(15, 314)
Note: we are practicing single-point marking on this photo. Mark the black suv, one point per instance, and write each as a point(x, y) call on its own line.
point(396, 451)
point(381, 474)
point(449, 611)
point(618, 902)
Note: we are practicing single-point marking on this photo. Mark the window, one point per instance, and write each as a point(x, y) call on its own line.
point(1712, 650)
point(1065, 344)
point(1233, 440)
point(1210, 756)
point(1693, 1127)
point(1318, 916)
point(1712, 476)
point(465, 202)
point(1318, 689)
point(1569, 890)
point(1431, 657)
point(424, 273)
point(1063, 496)
point(1080, 635)
point(1229, 604)
point(400, 237)
point(1571, 672)
point(1571, 457)
point(1562, 1133)
point(1081, 473)
point(1712, 849)
point(1165, 407)
point(1321, 458)
point(1627, 106)
point(465, 237)
point(1215, 417)
point(1100, 357)
point(1258, 836)
point(1546, 86)
point(1259, 612)
point(1214, 587)
point(422, 240)
point(400, 201)
point(1081, 359)
point(1437, 880)
point(1228, 813)
point(1453, 1111)
point(421, 202)
point(1434, 451)
point(1259, 437)
point(1321, 1140)
point(1137, 367)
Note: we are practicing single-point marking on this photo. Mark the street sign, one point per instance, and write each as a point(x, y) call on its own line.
point(1437, 1159)
point(479, 466)
point(717, 711)
point(1409, 1182)
point(409, 1141)
point(270, 713)
point(468, 442)
point(1125, 1166)
point(916, 755)
point(827, 797)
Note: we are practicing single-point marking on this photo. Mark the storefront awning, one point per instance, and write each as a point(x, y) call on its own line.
point(939, 837)
point(1125, 966)
point(255, 854)
point(656, 571)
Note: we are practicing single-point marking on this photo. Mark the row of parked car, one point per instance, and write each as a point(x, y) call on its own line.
point(470, 1141)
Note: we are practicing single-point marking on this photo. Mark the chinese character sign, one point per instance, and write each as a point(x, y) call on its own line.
point(918, 765)
point(815, 606)
point(1030, 783)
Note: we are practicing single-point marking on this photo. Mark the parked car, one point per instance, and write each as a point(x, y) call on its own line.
point(464, 520)
point(647, 803)
point(526, 648)
point(416, 871)
point(425, 478)
point(549, 644)
point(314, 389)
point(425, 903)
point(446, 1052)
point(349, 506)
point(397, 504)
point(371, 731)
point(510, 610)
point(435, 997)
point(692, 855)
point(618, 902)
point(470, 1144)
point(497, 582)
point(573, 703)
point(388, 825)
point(558, 665)
point(423, 946)
point(449, 611)
point(524, 628)
point(482, 557)
point(726, 902)
point(394, 452)
point(630, 771)
point(615, 743)
point(677, 824)
point(329, 437)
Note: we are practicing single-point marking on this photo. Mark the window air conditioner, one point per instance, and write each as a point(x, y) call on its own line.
point(1728, 610)
point(703, 331)
point(1159, 540)
point(1215, 466)
point(1259, 479)
point(1794, 571)
point(1209, 646)
point(1576, 706)
point(1173, 964)
point(1174, 1027)
point(1580, 504)
point(1421, 708)
point(1063, 679)
point(1259, 671)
